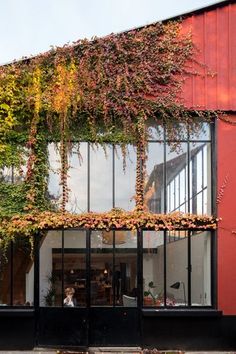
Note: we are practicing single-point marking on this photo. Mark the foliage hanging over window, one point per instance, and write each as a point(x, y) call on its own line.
point(102, 90)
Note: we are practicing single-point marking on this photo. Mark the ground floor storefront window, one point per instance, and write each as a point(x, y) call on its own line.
point(126, 268)
point(17, 274)
point(177, 268)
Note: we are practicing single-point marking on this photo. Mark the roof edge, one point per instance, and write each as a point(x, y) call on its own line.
point(213, 5)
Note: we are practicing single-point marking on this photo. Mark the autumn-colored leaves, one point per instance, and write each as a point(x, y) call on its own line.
point(116, 219)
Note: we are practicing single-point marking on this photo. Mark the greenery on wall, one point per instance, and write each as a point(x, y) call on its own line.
point(104, 90)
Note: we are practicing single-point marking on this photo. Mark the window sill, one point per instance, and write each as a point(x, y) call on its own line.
point(13, 312)
point(181, 313)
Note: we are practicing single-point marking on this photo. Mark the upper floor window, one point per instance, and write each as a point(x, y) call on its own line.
point(178, 175)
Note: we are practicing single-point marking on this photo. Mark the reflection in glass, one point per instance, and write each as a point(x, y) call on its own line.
point(203, 133)
point(153, 268)
point(176, 269)
point(176, 178)
point(200, 178)
point(101, 292)
point(75, 265)
point(50, 275)
point(23, 273)
point(155, 130)
point(5, 277)
point(54, 188)
point(78, 179)
point(15, 174)
point(100, 178)
point(154, 187)
point(201, 268)
point(125, 179)
point(125, 272)
point(17, 274)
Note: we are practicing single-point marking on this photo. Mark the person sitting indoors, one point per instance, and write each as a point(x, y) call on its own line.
point(70, 300)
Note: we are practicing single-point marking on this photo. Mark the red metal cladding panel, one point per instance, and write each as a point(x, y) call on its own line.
point(188, 84)
point(232, 55)
point(227, 211)
point(199, 80)
point(222, 54)
point(214, 33)
point(211, 59)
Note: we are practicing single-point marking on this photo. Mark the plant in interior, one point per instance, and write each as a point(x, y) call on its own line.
point(150, 292)
point(49, 297)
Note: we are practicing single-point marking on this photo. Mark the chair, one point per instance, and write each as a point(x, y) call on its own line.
point(129, 301)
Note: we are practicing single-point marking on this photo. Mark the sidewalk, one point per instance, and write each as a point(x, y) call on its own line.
point(111, 351)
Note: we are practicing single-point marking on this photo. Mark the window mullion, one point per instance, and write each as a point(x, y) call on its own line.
point(62, 267)
point(12, 273)
point(189, 269)
point(88, 180)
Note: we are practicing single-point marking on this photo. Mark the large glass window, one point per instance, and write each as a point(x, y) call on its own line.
point(124, 178)
point(177, 268)
point(154, 180)
point(113, 268)
point(201, 268)
point(153, 268)
point(17, 274)
point(101, 171)
point(178, 174)
point(63, 268)
point(101, 268)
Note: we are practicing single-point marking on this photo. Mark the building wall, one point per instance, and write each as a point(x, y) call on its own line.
point(213, 33)
point(226, 148)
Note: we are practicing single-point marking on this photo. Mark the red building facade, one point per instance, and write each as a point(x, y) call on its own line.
point(111, 271)
point(214, 33)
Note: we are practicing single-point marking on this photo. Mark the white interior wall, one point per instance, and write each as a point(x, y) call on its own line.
point(176, 255)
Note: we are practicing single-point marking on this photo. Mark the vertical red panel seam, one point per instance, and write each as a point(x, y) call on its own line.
point(217, 61)
point(193, 76)
point(229, 57)
point(204, 60)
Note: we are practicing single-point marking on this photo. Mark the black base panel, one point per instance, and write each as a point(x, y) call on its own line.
point(190, 333)
point(62, 327)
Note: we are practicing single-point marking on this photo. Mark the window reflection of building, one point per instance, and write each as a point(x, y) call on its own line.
point(97, 181)
point(187, 179)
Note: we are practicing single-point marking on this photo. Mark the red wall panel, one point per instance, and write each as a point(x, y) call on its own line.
point(227, 211)
point(214, 33)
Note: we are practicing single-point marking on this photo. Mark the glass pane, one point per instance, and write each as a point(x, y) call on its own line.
point(125, 179)
point(176, 268)
point(16, 174)
point(201, 268)
point(176, 178)
point(203, 133)
point(5, 277)
point(54, 188)
point(50, 276)
point(101, 268)
point(177, 132)
point(78, 179)
point(155, 131)
point(154, 187)
point(75, 268)
point(125, 273)
point(153, 268)
point(23, 273)
point(100, 178)
point(200, 178)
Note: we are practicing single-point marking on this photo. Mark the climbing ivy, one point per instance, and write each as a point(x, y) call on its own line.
point(104, 90)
